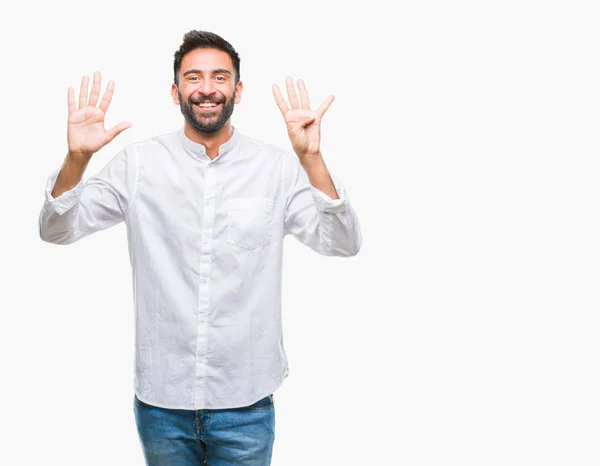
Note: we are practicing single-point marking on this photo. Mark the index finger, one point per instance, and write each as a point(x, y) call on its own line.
point(280, 101)
point(110, 88)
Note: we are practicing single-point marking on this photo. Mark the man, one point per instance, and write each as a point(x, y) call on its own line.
point(206, 211)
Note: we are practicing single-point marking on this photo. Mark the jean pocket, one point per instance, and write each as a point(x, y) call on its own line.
point(139, 402)
point(264, 403)
point(249, 221)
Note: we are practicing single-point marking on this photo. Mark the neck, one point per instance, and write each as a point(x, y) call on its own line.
point(211, 141)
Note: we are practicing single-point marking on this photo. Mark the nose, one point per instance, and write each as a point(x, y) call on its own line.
point(206, 87)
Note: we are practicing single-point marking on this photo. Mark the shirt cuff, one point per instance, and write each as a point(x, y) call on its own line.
point(324, 203)
point(66, 200)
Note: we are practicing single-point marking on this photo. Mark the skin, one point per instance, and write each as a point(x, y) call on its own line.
point(207, 75)
point(204, 75)
point(86, 134)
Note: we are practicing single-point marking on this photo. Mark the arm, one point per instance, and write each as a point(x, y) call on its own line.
point(317, 211)
point(326, 224)
point(96, 204)
point(70, 175)
point(319, 177)
point(73, 209)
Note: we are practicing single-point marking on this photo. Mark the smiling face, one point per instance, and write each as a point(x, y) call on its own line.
point(206, 90)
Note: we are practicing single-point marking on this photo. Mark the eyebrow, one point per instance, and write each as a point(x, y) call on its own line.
point(217, 71)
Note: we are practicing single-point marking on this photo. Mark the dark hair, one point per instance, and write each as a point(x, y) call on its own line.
point(193, 40)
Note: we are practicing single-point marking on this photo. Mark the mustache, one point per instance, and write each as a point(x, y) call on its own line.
point(207, 99)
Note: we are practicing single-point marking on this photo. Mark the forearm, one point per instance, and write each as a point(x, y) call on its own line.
point(70, 174)
point(319, 177)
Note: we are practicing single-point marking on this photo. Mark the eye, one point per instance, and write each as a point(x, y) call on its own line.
point(220, 78)
point(193, 78)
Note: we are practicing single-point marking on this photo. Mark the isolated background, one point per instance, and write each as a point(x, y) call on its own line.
point(466, 133)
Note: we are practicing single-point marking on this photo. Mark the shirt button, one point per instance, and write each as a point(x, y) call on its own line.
point(202, 279)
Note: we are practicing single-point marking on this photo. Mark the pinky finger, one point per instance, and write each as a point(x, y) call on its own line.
point(324, 106)
point(71, 101)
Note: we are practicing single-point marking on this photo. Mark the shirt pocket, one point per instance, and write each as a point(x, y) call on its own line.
point(249, 221)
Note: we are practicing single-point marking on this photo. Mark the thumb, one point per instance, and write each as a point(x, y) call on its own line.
point(306, 120)
point(302, 122)
point(116, 130)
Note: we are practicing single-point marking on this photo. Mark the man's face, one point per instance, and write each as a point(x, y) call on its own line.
point(207, 91)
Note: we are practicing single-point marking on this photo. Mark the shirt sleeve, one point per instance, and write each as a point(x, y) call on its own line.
point(93, 205)
point(328, 226)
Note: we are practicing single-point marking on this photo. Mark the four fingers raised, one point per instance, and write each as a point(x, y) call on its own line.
point(304, 101)
point(94, 95)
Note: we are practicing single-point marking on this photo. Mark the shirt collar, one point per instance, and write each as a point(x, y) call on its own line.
point(198, 149)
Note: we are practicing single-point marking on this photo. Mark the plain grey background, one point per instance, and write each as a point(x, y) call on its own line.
point(466, 133)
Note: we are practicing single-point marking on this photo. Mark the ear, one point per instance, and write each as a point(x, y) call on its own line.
point(238, 92)
point(175, 94)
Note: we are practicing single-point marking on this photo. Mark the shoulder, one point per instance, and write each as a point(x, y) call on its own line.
point(251, 146)
point(163, 141)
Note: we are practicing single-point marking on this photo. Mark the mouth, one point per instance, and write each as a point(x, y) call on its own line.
point(207, 106)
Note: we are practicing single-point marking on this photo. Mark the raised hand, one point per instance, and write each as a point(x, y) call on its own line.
point(85, 130)
point(303, 124)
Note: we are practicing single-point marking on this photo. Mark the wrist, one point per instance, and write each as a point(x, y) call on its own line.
point(79, 158)
point(312, 161)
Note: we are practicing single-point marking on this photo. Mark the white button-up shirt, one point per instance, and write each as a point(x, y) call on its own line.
point(206, 245)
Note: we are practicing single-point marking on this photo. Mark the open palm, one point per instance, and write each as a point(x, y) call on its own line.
point(85, 130)
point(303, 124)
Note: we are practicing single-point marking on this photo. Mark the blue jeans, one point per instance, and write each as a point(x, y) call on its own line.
point(212, 437)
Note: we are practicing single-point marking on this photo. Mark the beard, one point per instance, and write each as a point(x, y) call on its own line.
point(209, 122)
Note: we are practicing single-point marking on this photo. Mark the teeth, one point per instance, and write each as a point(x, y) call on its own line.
point(207, 105)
